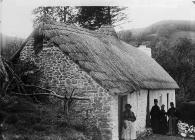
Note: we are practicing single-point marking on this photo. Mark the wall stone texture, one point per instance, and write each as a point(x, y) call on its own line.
point(60, 73)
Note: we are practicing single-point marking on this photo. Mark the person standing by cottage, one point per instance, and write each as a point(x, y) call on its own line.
point(155, 117)
point(172, 123)
point(163, 120)
point(128, 130)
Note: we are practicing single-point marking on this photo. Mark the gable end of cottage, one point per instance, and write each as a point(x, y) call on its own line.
point(60, 73)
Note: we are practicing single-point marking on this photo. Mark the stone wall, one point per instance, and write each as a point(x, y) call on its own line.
point(60, 73)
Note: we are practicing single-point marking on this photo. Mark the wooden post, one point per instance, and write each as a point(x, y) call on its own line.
point(148, 110)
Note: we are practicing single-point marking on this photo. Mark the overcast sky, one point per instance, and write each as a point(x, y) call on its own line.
point(17, 18)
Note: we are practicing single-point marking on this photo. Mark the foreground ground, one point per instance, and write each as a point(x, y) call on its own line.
point(26, 120)
point(81, 137)
point(164, 137)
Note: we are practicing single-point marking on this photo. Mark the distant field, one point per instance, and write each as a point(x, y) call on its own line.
point(184, 34)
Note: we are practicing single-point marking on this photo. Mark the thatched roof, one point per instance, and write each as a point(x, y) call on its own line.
point(108, 60)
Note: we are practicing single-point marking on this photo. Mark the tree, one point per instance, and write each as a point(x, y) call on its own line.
point(125, 35)
point(10, 46)
point(22, 79)
point(184, 63)
point(179, 62)
point(63, 14)
point(116, 14)
point(43, 13)
point(92, 17)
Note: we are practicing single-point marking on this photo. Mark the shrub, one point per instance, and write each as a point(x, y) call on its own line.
point(40, 127)
point(12, 119)
point(187, 112)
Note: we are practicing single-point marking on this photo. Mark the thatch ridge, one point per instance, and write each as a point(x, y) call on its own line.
point(108, 60)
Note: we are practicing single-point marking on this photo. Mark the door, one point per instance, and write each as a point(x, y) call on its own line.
point(122, 101)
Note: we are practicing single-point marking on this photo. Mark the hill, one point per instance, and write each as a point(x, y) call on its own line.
point(170, 29)
point(173, 46)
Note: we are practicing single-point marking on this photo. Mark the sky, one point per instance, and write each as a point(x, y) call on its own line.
point(16, 15)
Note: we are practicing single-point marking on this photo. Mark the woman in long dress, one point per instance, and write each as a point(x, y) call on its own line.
point(128, 130)
point(172, 119)
point(163, 120)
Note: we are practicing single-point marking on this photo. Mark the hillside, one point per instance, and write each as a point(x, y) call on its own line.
point(173, 25)
point(172, 43)
point(9, 45)
point(171, 29)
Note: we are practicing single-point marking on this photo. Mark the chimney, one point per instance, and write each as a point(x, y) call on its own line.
point(108, 30)
point(145, 49)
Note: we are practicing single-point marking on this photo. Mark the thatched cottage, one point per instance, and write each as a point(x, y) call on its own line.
point(105, 69)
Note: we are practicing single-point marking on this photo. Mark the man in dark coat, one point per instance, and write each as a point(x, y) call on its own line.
point(155, 117)
point(172, 114)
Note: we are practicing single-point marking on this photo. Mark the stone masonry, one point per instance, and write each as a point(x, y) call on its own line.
point(60, 72)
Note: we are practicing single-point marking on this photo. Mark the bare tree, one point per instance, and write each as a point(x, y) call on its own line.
point(12, 78)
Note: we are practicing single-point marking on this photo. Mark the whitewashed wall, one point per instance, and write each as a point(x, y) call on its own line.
point(138, 101)
point(161, 95)
point(114, 115)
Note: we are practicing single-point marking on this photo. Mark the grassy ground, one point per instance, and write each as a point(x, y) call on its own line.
point(26, 120)
point(164, 137)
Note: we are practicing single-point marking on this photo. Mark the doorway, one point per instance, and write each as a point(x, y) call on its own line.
point(122, 101)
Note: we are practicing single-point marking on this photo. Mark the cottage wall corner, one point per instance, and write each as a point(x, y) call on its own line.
point(60, 73)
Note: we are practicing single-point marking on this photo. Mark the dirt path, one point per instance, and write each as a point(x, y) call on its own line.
point(164, 137)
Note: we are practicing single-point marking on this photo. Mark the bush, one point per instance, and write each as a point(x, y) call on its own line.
point(187, 112)
point(12, 119)
point(40, 127)
point(47, 120)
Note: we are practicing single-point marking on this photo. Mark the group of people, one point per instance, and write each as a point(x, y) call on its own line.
point(159, 122)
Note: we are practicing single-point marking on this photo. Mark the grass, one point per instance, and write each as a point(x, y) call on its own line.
point(41, 122)
point(163, 137)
